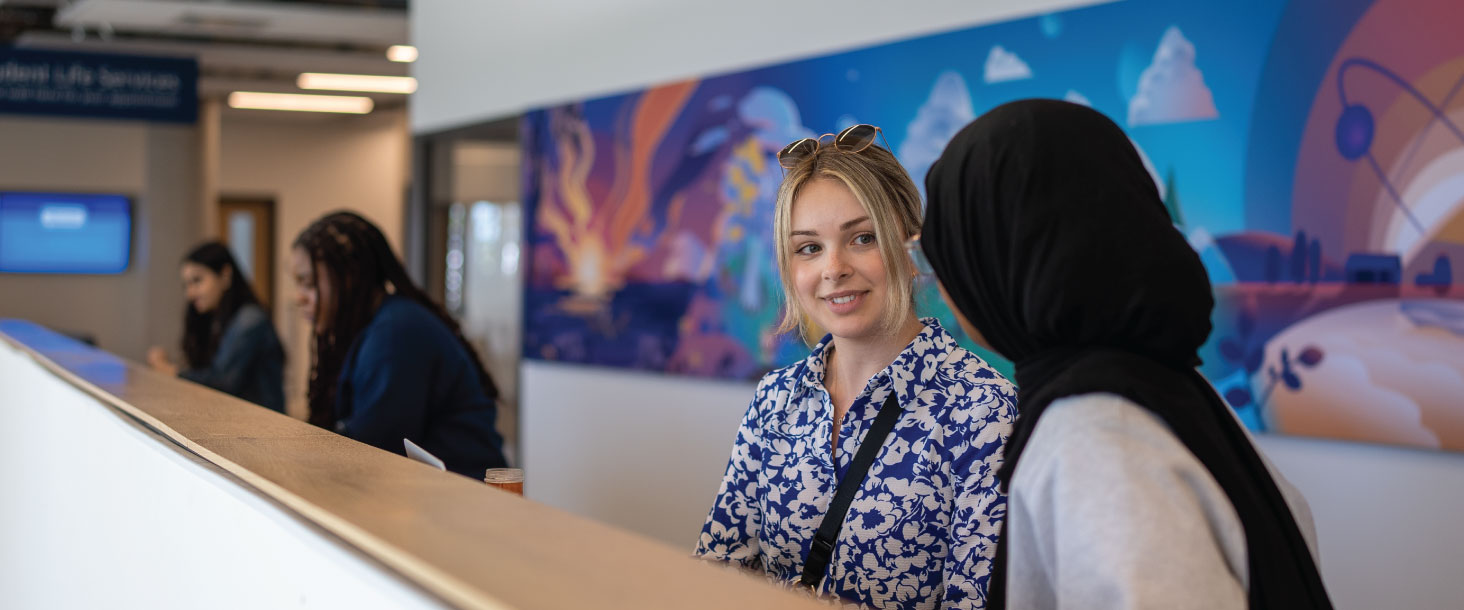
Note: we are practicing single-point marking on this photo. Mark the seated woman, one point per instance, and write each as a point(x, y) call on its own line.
point(229, 343)
point(389, 364)
point(1131, 483)
point(921, 527)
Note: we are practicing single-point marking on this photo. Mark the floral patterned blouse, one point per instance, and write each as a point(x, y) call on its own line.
point(922, 530)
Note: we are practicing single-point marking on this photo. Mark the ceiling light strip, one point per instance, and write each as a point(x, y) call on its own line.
point(402, 53)
point(295, 102)
point(356, 82)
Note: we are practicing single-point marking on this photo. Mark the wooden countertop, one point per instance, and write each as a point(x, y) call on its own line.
point(459, 540)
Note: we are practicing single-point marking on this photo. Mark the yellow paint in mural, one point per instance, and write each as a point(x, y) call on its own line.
point(752, 152)
point(746, 186)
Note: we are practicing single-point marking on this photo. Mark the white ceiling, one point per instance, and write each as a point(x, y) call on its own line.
point(231, 57)
point(265, 21)
point(483, 60)
point(256, 46)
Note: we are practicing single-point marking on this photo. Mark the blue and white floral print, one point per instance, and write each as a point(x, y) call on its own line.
point(922, 530)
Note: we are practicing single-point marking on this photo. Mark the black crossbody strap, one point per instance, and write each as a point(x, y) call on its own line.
point(822, 548)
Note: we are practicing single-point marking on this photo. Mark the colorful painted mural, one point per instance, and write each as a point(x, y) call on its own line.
point(1312, 151)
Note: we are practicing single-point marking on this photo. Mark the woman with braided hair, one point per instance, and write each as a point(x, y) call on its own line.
point(388, 363)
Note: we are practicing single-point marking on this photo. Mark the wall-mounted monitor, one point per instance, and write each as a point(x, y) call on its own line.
point(64, 233)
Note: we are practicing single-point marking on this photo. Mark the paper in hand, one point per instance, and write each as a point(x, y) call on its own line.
point(421, 455)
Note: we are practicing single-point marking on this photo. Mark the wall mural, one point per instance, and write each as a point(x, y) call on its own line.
point(1312, 151)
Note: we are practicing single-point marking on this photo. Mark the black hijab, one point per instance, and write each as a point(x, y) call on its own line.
point(1051, 239)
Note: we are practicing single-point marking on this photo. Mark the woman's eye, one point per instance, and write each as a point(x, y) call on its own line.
point(807, 249)
point(864, 239)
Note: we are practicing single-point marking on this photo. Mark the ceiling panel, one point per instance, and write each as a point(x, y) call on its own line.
point(230, 58)
point(251, 46)
point(258, 20)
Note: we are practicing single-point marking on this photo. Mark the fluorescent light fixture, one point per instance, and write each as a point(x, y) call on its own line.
point(403, 53)
point(254, 100)
point(357, 82)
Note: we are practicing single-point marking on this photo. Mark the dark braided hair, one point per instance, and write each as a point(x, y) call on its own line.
point(202, 331)
point(361, 270)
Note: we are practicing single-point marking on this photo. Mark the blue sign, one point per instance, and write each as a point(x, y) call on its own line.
point(98, 86)
point(64, 233)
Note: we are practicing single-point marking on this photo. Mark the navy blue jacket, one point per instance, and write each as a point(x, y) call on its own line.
point(407, 376)
point(249, 362)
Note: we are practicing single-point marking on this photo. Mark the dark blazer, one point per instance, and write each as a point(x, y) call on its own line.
point(407, 376)
point(249, 362)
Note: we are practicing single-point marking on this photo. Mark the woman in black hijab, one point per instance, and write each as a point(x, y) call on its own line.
point(1055, 250)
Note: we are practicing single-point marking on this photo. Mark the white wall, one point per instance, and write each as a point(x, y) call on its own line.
point(1387, 520)
point(482, 60)
point(101, 514)
point(157, 166)
point(640, 451)
point(310, 167)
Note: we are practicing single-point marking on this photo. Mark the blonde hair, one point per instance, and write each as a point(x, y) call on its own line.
point(888, 196)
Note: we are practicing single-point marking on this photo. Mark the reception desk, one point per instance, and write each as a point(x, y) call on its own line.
point(124, 487)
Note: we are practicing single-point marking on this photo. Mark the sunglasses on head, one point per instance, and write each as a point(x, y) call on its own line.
point(851, 140)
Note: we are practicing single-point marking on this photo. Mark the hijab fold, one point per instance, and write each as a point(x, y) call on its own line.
point(1049, 235)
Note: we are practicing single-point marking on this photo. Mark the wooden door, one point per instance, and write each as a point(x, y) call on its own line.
point(247, 227)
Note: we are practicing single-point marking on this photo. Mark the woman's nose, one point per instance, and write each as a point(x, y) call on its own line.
point(835, 267)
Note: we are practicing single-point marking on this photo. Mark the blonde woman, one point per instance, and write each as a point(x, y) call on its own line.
point(920, 507)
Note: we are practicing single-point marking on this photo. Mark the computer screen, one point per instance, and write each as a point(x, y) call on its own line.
point(64, 233)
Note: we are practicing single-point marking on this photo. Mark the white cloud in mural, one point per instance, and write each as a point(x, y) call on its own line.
point(1077, 98)
point(1172, 89)
point(1003, 65)
point(944, 113)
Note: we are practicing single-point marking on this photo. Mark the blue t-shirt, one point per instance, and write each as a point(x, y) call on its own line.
point(408, 376)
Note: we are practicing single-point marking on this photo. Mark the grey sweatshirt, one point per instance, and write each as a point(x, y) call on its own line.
point(1109, 510)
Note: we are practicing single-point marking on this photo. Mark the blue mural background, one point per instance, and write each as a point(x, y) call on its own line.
point(1309, 151)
